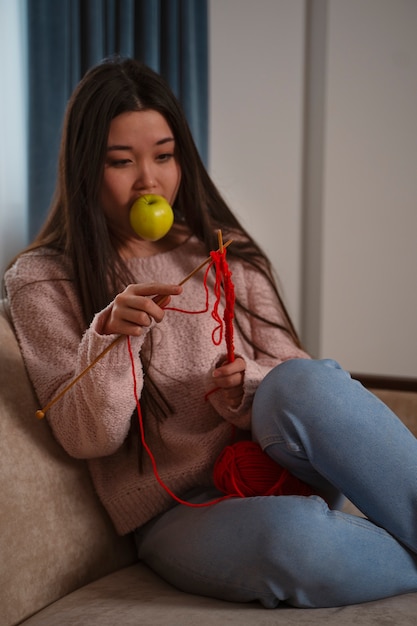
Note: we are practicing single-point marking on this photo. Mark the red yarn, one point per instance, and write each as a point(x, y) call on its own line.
point(241, 470)
point(244, 469)
point(223, 275)
point(206, 306)
point(147, 448)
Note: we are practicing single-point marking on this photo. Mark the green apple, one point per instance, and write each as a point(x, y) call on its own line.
point(151, 217)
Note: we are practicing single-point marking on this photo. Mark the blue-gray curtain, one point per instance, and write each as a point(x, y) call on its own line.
point(66, 37)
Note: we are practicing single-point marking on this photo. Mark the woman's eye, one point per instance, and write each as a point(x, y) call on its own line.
point(119, 162)
point(165, 157)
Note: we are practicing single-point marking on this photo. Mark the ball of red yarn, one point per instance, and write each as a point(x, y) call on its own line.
point(244, 469)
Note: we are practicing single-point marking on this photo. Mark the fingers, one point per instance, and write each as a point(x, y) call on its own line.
point(229, 379)
point(229, 375)
point(137, 307)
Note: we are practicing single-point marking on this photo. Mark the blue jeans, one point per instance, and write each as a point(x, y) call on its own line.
point(329, 431)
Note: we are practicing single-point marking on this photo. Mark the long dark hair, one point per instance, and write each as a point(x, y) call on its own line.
point(76, 225)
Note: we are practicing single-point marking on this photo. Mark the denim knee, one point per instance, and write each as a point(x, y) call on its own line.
point(293, 395)
point(299, 376)
point(300, 554)
point(318, 558)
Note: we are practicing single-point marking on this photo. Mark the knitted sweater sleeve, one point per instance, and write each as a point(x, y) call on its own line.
point(273, 344)
point(93, 418)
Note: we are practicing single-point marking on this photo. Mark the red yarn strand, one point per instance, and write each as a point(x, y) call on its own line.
point(206, 306)
point(148, 450)
point(223, 276)
point(243, 469)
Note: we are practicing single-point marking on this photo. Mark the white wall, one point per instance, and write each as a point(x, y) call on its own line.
point(350, 280)
point(256, 109)
point(369, 263)
point(13, 167)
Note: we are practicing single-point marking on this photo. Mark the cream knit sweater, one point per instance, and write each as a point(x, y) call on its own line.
point(93, 420)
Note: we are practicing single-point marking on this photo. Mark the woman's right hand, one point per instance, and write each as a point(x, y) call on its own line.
point(137, 306)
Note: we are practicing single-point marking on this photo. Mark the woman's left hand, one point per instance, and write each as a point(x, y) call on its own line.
point(229, 379)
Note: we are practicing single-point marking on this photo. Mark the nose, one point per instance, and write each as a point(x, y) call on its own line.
point(145, 180)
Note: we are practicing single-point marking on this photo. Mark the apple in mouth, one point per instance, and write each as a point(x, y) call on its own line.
point(151, 217)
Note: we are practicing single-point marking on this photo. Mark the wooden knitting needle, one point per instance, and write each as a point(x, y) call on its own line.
point(40, 414)
point(220, 239)
point(160, 300)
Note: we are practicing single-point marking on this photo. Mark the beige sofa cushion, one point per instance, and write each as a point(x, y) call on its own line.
point(55, 535)
point(135, 596)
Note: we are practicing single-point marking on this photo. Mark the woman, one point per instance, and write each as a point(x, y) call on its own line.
point(88, 278)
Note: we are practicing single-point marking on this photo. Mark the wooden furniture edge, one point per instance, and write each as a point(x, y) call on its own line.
point(395, 383)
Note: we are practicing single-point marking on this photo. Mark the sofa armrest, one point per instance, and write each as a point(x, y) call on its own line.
point(55, 534)
point(399, 393)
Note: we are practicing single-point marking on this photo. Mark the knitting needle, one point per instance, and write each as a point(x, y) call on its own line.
point(220, 239)
point(40, 414)
point(160, 300)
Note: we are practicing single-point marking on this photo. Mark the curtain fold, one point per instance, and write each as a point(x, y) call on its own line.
point(65, 38)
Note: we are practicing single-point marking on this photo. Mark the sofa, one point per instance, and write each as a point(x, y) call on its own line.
point(62, 563)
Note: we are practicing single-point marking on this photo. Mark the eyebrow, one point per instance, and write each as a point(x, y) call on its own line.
point(161, 142)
